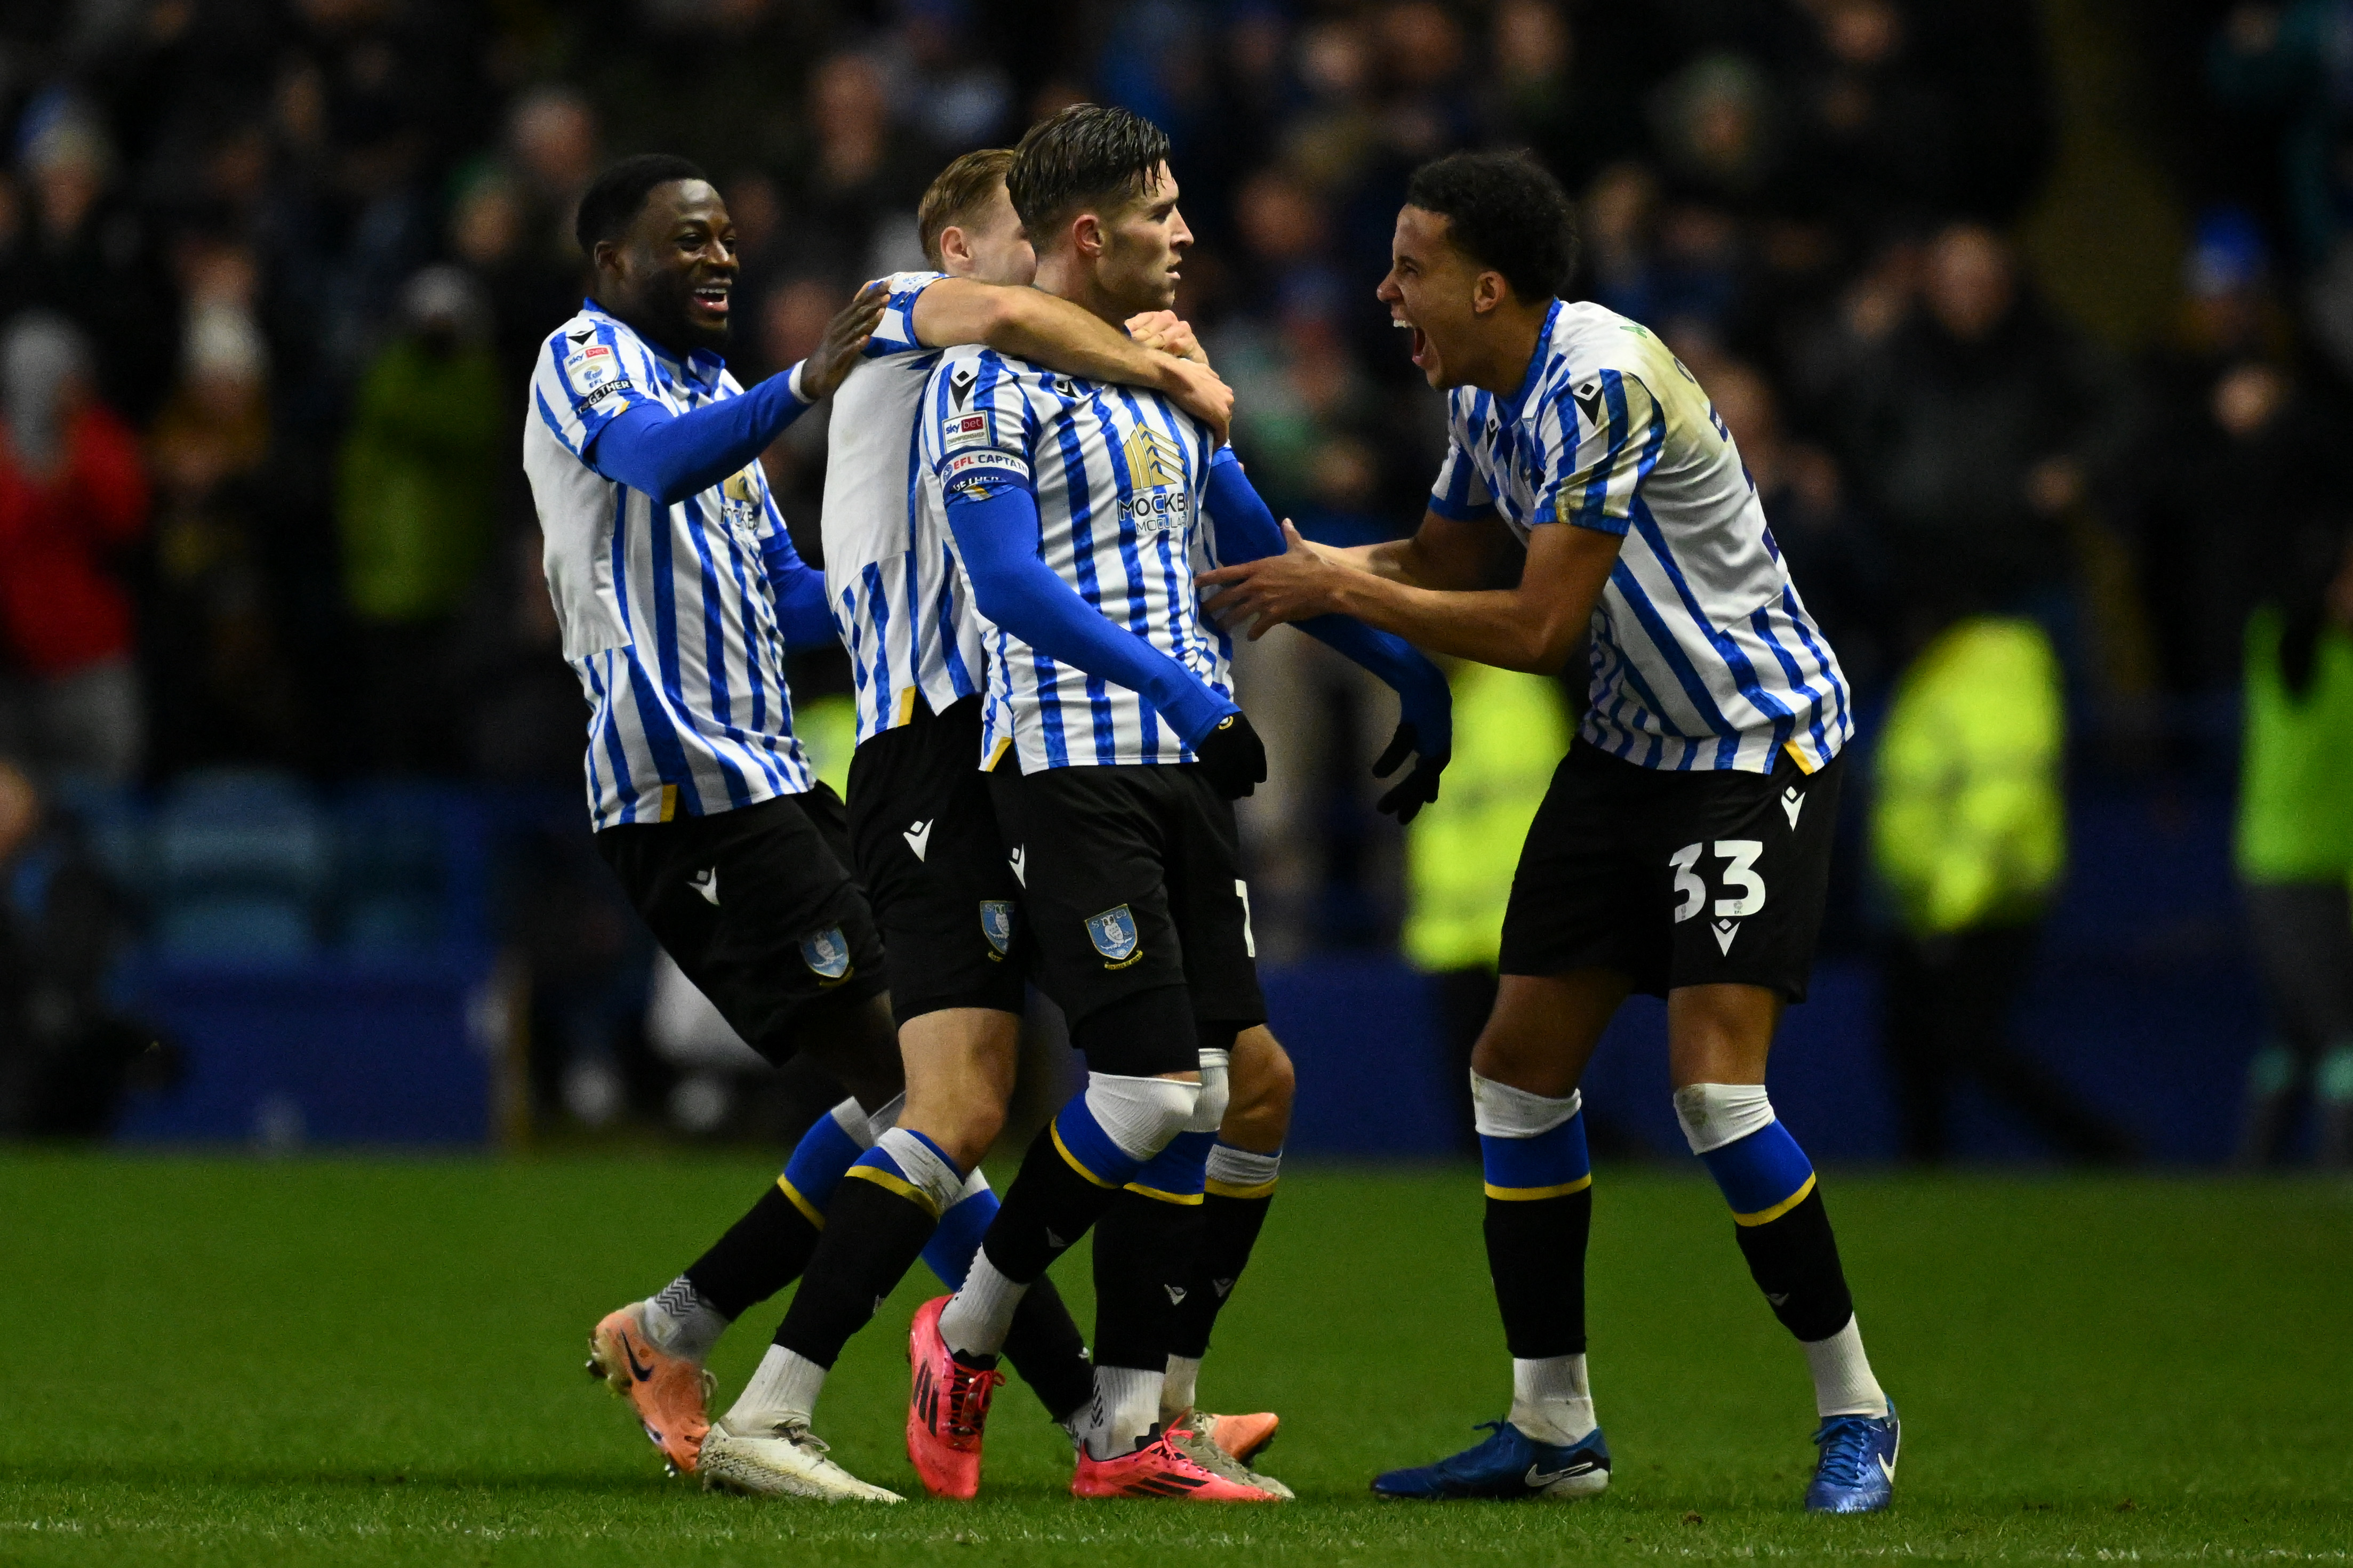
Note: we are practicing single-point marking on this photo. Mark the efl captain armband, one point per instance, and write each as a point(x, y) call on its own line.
point(973, 471)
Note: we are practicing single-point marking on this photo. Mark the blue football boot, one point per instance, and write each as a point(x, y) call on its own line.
point(1856, 1472)
point(1508, 1465)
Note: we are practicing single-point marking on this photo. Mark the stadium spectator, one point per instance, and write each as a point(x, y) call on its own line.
point(72, 498)
point(1969, 831)
point(2296, 847)
point(1977, 425)
point(416, 508)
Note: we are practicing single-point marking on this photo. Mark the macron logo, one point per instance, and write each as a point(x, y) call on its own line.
point(1018, 858)
point(1725, 932)
point(918, 836)
point(706, 882)
point(1792, 803)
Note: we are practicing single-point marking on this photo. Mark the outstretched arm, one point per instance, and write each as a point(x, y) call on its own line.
point(1246, 530)
point(671, 457)
point(1031, 324)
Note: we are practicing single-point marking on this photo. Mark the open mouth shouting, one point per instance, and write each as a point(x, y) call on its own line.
point(1420, 343)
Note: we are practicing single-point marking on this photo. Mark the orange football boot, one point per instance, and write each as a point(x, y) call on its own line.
point(1244, 1436)
point(669, 1394)
point(947, 1409)
point(1159, 1470)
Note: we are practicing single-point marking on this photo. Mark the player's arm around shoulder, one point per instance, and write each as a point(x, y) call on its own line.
point(1032, 325)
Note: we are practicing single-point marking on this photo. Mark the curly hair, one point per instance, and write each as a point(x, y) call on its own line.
point(1505, 211)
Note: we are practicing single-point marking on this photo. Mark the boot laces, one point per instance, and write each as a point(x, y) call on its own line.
point(1846, 1443)
point(969, 1391)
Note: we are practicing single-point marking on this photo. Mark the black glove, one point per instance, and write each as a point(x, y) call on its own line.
point(1233, 756)
point(1417, 788)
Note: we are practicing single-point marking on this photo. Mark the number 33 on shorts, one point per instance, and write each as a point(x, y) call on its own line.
point(1736, 875)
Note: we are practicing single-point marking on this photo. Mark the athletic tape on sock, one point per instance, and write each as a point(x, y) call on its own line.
point(1234, 1172)
point(1762, 1171)
point(884, 1119)
point(1714, 1114)
point(1210, 1111)
point(826, 1150)
point(1530, 1146)
point(912, 1165)
point(1114, 1126)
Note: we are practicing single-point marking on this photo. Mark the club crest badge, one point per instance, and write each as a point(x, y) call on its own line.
point(997, 924)
point(1114, 934)
point(827, 953)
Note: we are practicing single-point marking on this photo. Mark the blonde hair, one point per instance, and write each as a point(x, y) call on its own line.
point(956, 197)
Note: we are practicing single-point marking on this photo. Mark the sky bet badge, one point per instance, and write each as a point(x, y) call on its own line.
point(997, 924)
point(1114, 934)
point(827, 954)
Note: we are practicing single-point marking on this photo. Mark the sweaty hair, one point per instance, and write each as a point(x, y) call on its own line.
point(957, 197)
point(617, 197)
point(1084, 157)
point(1507, 212)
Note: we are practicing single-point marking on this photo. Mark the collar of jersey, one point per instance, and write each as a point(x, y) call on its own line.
point(701, 366)
point(1537, 361)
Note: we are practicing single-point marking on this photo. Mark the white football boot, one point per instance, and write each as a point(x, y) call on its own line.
point(782, 1458)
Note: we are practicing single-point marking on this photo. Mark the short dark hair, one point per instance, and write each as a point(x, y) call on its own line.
point(1086, 155)
point(1505, 211)
point(956, 197)
point(615, 198)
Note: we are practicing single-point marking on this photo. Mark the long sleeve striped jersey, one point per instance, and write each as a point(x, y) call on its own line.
point(666, 615)
point(1118, 475)
point(902, 611)
point(1703, 654)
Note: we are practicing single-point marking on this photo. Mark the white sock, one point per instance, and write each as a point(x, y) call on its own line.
point(785, 1384)
point(1127, 1404)
point(1177, 1389)
point(1550, 1400)
point(978, 1317)
point(681, 1324)
point(1842, 1381)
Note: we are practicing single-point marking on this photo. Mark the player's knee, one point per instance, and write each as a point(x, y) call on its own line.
point(1117, 1125)
point(1264, 1085)
point(1757, 1165)
point(1531, 1146)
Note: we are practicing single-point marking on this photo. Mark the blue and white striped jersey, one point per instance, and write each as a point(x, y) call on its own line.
point(1704, 655)
point(1118, 474)
point(898, 601)
point(666, 614)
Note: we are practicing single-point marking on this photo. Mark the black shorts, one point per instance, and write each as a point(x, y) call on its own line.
point(757, 908)
point(1675, 879)
point(927, 852)
point(1131, 880)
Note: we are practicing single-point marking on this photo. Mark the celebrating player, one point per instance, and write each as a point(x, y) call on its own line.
point(1075, 512)
point(1682, 848)
point(925, 838)
point(677, 589)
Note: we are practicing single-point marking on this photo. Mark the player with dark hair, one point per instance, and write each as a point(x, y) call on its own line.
point(1682, 848)
point(1114, 750)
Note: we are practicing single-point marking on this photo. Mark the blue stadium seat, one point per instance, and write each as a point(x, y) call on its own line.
point(409, 870)
point(240, 860)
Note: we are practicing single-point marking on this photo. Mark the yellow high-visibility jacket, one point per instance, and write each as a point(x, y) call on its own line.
point(1968, 817)
point(1509, 734)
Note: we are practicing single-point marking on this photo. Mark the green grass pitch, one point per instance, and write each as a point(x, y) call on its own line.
point(378, 1361)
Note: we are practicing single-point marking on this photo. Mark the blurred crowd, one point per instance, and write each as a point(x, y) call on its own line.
point(2037, 314)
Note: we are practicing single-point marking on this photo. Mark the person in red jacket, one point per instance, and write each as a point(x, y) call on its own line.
point(72, 495)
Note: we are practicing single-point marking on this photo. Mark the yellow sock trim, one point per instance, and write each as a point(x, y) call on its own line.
point(1228, 1189)
point(809, 1210)
point(1530, 1195)
point(1064, 1150)
point(1766, 1216)
point(898, 1184)
point(1182, 1199)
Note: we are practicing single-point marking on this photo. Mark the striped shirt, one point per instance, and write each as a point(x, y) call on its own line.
point(1118, 475)
point(666, 614)
point(1703, 653)
point(902, 609)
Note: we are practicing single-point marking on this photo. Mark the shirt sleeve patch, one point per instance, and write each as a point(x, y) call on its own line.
point(978, 466)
